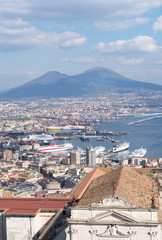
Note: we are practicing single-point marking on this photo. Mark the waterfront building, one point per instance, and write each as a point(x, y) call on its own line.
point(90, 157)
point(75, 157)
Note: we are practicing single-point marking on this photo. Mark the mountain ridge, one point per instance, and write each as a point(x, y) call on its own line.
point(94, 81)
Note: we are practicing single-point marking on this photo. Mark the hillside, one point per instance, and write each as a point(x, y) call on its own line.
point(91, 82)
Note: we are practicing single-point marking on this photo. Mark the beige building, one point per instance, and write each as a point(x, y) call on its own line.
point(5, 193)
point(75, 157)
point(7, 154)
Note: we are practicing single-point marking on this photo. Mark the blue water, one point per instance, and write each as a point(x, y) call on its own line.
point(147, 134)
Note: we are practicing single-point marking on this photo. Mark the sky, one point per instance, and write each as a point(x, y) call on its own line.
point(71, 36)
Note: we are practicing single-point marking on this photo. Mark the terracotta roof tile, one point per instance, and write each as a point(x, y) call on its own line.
point(26, 206)
point(143, 169)
point(123, 182)
point(88, 179)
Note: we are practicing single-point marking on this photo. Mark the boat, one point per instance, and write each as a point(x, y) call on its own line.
point(99, 149)
point(121, 147)
point(139, 152)
point(84, 138)
point(99, 139)
point(56, 148)
point(38, 137)
point(54, 128)
point(69, 128)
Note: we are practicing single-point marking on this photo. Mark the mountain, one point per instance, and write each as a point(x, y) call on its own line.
point(91, 82)
point(47, 78)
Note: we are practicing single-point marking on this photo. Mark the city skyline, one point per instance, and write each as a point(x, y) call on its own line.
point(70, 37)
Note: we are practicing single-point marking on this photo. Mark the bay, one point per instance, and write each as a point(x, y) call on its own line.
point(147, 134)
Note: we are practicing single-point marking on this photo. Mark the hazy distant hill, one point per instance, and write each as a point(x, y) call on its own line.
point(91, 82)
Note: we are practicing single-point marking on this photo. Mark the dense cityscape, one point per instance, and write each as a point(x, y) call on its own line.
point(35, 165)
point(27, 125)
point(80, 120)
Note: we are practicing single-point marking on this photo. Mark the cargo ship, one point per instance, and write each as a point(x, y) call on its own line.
point(65, 128)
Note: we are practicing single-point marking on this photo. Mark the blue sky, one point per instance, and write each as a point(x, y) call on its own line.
point(70, 36)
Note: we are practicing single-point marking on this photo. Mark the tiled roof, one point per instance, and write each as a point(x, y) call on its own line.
point(123, 182)
point(88, 179)
point(143, 169)
point(30, 206)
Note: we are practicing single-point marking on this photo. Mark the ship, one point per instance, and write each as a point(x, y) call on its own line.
point(68, 128)
point(121, 147)
point(38, 137)
point(99, 139)
point(99, 149)
point(55, 148)
point(139, 152)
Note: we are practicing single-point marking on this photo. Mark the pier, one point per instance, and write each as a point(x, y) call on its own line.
point(142, 120)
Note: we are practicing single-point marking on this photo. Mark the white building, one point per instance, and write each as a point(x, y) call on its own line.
point(26, 218)
point(111, 219)
point(121, 204)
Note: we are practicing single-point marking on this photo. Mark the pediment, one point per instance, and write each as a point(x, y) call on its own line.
point(112, 216)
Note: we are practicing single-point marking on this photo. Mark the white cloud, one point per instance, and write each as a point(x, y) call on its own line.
point(132, 61)
point(137, 44)
point(18, 22)
point(120, 25)
point(71, 39)
point(10, 7)
point(72, 9)
point(157, 27)
point(18, 34)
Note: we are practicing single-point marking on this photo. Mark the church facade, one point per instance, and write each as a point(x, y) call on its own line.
point(112, 218)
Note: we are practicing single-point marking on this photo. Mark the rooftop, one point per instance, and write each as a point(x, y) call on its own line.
point(31, 206)
point(87, 181)
point(125, 183)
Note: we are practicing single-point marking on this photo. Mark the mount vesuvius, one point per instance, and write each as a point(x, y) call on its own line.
point(91, 82)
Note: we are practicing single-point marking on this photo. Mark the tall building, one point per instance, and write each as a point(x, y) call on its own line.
point(90, 157)
point(75, 157)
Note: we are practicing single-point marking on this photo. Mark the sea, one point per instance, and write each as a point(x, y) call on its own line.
point(146, 133)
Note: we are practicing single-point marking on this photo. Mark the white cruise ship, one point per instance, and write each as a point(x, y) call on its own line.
point(38, 137)
point(140, 152)
point(99, 149)
point(121, 147)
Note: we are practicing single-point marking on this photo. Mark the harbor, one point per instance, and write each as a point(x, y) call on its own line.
point(84, 136)
point(110, 134)
point(149, 136)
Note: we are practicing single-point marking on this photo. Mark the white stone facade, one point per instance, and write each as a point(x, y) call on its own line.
point(97, 224)
point(103, 222)
point(23, 227)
